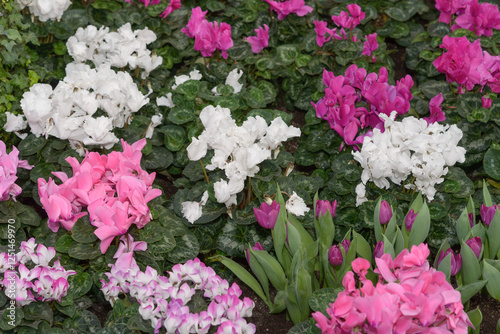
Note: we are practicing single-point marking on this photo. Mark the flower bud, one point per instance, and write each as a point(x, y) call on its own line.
point(456, 260)
point(322, 206)
point(335, 255)
point(476, 245)
point(346, 243)
point(488, 212)
point(385, 213)
point(486, 102)
point(471, 219)
point(379, 250)
point(257, 246)
point(267, 214)
point(410, 219)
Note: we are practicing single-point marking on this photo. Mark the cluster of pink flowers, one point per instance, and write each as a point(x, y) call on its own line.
point(410, 297)
point(164, 300)
point(338, 107)
point(284, 8)
point(114, 189)
point(9, 163)
point(468, 65)
point(43, 282)
point(208, 36)
point(480, 18)
point(173, 5)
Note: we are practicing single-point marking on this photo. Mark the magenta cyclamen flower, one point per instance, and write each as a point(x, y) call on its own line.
point(174, 5)
point(437, 114)
point(267, 214)
point(480, 18)
point(324, 206)
point(456, 260)
point(261, 40)
point(9, 163)
point(350, 19)
point(323, 33)
point(385, 213)
point(283, 9)
point(476, 245)
point(486, 102)
point(370, 45)
point(488, 212)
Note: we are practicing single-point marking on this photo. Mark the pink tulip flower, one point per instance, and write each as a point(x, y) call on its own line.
point(267, 214)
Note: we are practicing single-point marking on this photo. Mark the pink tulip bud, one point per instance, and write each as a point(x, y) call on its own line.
point(322, 206)
point(346, 243)
point(257, 246)
point(267, 214)
point(488, 212)
point(476, 245)
point(379, 250)
point(410, 219)
point(335, 255)
point(471, 219)
point(456, 261)
point(385, 213)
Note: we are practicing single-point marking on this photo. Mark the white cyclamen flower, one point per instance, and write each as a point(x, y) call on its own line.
point(232, 80)
point(155, 121)
point(15, 123)
point(165, 101)
point(193, 75)
point(193, 210)
point(46, 10)
point(296, 205)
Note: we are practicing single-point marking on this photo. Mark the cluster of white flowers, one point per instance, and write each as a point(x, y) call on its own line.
point(119, 49)
point(238, 150)
point(232, 80)
point(46, 9)
point(409, 147)
point(66, 111)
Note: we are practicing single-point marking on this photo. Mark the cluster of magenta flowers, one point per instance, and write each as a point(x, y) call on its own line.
point(284, 8)
point(164, 299)
point(173, 5)
point(113, 188)
point(30, 277)
point(9, 162)
point(208, 36)
point(481, 18)
point(344, 94)
point(409, 297)
point(468, 65)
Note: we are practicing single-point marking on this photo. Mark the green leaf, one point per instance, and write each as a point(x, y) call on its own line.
point(186, 248)
point(164, 245)
point(175, 137)
point(83, 322)
point(286, 54)
point(471, 271)
point(38, 311)
point(159, 158)
point(79, 284)
point(470, 290)
point(84, 251)
point(28, 216)
point(321, 299)
point(421, 226)
point(64, 243)
point(492, 274)
point(68, 310)
point(264, 63)
point(491, 163)
point(83, 231)
point(244, 276)
point(493, 232)
point(273, 269)
point(31, 145)
point(11, 318)
point(476, 317)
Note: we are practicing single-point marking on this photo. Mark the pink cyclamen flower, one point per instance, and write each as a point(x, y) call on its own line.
point(370, 45)
point(283, 9)
point(476, 245)
point(212, 37)
point(456, 260)
point(488, 212)
point(437, 114)
point(261, 40)
point(324, 206)
point(357, 14)
point(410, 219)
point(174, 5)
point(9, 163)
point(267, 214)
point(321, 29)
point(480, 18)
point(385, 213)
point(193, 26)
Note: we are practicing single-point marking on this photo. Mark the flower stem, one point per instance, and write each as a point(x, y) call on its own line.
point(204, 172)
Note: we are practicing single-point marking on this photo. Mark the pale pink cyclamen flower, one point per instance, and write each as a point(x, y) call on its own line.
point(370, 45)
point(261, 40)
point(283, 9)
point(9, 163)
point(173, 5)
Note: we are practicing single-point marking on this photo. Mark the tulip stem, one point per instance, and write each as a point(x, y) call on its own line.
point(204, 172)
